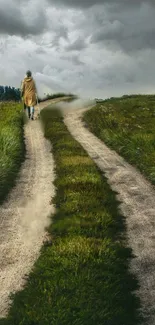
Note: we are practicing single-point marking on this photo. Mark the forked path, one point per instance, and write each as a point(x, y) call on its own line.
point(24, 216)
point(137, 199)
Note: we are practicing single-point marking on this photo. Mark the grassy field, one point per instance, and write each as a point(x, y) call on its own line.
point(82, 277)
point(127, 125)
point(12, 146)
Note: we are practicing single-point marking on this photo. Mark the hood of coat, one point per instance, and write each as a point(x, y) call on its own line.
point(28, 79)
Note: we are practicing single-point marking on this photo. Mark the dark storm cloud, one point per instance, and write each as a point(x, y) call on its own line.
point(77, 45)
point(40, 50)
point(60, 32)
point(88, 46)
point(131, 43)
point(90, 3)
point(74, 59)
point(13, 22)
point(130, 28)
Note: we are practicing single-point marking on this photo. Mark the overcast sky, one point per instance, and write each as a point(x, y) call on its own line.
point(99, 48)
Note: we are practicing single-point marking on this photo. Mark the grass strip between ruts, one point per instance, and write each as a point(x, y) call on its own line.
point(82, 277)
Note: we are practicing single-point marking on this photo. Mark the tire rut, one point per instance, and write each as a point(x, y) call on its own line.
point(25, 214)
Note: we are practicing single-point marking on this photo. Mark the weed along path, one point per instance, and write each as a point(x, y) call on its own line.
point(137, 204)
point(25, 215)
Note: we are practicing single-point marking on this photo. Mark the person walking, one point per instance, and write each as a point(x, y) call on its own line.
point(29, 93)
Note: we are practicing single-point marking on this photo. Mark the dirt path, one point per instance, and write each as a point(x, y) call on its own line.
point(24, 216)
point(137, 199)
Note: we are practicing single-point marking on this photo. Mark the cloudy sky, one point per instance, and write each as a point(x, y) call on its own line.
point(99, 48)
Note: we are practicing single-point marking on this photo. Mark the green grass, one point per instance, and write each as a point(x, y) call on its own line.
point(12, 146)
point(127, 125)
point(82, 277)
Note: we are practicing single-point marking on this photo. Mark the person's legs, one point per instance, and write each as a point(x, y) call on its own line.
point(32, 112)
point(27, 109)
point(29, 114)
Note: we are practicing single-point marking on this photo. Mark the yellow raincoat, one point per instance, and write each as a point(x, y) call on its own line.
point(28, 89)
